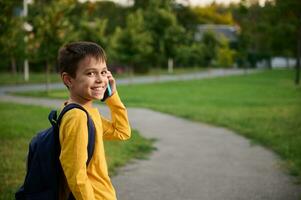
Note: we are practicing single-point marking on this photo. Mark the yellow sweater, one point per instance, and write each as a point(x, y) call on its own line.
point(92, 182)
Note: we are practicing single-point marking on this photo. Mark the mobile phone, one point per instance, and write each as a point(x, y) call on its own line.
point(107, 93)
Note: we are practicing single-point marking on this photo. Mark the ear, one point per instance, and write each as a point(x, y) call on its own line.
point(67, 79)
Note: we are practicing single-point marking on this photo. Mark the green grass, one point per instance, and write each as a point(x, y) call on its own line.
point(176, 70)
point(19, 123)
point(10, 79)
point(265, 107)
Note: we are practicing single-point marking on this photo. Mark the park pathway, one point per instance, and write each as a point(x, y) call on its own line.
point(194, 161)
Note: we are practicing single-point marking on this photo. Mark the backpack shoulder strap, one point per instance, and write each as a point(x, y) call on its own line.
point(91, 127)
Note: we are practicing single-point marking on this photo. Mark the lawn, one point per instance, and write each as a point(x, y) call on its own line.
point(10, 79)
point(19, 123)
point(265, 107)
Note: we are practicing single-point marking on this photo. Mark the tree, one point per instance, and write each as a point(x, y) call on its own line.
point(224, 55)
point(165, 31)
point(93, 30)
point(11, 33)
point(132, 45)
point(141, 4)
point(113, 13)
point(13, 42)
point(212, 14)
point(52, 28)
point(192, 54)
point(211, 44)
point(186, 17)
point(289, 16)
point(270, 30)
point(257, 35)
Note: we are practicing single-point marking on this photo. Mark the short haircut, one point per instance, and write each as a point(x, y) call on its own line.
point(71, 54)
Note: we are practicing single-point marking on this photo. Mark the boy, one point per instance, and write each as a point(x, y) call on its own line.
point(83, 70)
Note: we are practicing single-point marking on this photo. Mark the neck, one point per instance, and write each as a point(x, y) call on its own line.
point(82, 102)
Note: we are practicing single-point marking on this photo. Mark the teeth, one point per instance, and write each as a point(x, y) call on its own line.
point(98, 88)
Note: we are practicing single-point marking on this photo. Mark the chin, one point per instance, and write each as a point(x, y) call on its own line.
point(98, 98)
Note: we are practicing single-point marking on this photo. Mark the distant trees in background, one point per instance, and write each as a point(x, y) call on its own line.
point(271, 30)
point(149, 33)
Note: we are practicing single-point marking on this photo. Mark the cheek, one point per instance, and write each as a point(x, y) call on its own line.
point(85, 80)
point(106, 80)
point(82, 84)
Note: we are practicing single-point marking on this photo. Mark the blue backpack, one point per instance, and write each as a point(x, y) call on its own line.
point(44, 170)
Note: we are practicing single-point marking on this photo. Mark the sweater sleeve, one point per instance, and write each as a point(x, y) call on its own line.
point(73, 157)
point(119, 127)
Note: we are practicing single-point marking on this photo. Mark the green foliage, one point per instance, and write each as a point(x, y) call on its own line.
point(112, 14)
point(93, 31)
point(269, 30)
point(7, 9)
point(132, 45)
point(11, 35)
point(166, 33)
point(212, 15)
point(211, 50)
point(141, 4)
point(186, 17)
point(143, 36)
point(191, 55)
point(51, 30)
point(289, 22)
point(13, 41)
point(225, 56)
point(211, 44)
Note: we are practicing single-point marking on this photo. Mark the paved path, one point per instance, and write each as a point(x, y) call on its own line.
point(194, 161)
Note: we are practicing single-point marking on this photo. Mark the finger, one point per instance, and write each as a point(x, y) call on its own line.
point(109, 73)
point(111, 79)
point(110, 76)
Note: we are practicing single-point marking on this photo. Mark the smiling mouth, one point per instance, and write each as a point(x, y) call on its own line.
point(100, 88)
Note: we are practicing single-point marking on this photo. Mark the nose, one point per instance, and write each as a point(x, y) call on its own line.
point(100, 78)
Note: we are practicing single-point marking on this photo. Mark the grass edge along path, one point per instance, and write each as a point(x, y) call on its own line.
point(264, 107)
point(19, 123)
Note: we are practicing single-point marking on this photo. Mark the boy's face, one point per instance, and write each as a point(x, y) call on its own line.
point(90, 82)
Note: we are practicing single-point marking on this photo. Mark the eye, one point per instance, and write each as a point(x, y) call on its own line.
point(91, 73)
point(104, 72)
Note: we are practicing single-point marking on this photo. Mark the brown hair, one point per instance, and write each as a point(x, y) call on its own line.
point(71, 54)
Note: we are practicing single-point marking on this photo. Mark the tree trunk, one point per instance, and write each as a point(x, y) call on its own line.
point(13, 66)
point(269, 62)
point(26, 70)
point(170, 65)
point(298, 64)
point(48, 67)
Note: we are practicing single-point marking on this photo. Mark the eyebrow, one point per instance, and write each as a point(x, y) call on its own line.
point(92, 68)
